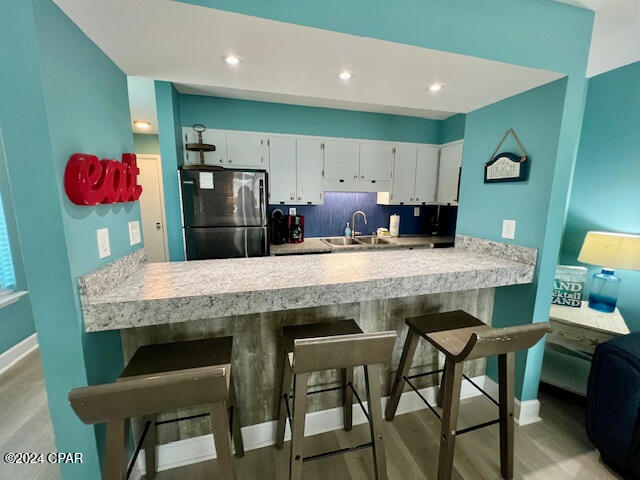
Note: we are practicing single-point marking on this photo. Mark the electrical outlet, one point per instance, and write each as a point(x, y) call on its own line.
point(134, 233)
point(509, 229)
point(292, 211)
point(104, 250)
point(416, 211)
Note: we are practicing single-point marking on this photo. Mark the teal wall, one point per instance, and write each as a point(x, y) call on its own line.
point(535, 116)
point(230, 114)
point(452, 128)
point(16, 320)
point(170, 135)
point(147, 143)
point(606, 184)
point(62, 95)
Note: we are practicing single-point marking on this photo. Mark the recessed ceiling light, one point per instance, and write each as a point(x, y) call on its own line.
point(231, 59)
point(436, 87)
point(346, 75)
point(141, 124)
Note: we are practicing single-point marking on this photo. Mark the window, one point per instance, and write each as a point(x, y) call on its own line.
point(7, 275)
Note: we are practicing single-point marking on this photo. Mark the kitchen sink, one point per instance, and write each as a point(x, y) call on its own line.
point(372, 240)
point(341, 241)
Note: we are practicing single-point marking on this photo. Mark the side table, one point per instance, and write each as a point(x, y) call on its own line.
point(576, 334)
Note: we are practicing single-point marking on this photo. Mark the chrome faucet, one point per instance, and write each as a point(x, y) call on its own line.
point(353, 222)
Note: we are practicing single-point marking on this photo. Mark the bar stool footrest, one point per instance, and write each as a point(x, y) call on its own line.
point(339, 451)
point(407, 378)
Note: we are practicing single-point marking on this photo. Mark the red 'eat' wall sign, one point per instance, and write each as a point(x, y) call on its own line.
point(89, 181)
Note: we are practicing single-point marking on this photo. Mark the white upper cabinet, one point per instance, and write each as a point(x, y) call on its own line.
point(341, 160)
point(426, 174)
point(215, 137)
point(376, 161)
point(310, 171)
point(282, 170)
point(404, 174)
point(247, 150)
point(449, 173)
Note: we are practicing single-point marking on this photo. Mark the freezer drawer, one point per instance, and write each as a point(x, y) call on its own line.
point(226, 242)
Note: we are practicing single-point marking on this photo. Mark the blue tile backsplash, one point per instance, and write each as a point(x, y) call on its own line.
point(330, 219)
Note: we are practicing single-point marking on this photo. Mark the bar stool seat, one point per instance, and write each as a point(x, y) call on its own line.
point(291, 333)
point(160, 378)
point(461, 337)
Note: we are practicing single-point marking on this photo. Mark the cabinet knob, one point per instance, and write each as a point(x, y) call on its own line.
point(355, 176)
point(417, 199)
point(362, 176)
point(261, 159)
point(221, 160)
point(411, 199)
point(299, 198)
point(291, 197)
point(230, 161)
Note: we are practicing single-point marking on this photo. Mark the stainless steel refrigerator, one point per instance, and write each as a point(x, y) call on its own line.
point(224, 213)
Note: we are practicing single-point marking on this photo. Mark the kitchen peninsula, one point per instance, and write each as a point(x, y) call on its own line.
point(252, 298)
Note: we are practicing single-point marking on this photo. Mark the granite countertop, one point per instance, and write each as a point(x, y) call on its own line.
point(316, 245)
point(133, 293)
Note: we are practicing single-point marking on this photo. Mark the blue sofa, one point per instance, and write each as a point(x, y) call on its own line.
point(613, 404)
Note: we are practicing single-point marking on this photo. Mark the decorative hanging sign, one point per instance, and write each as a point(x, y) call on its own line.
point(505, 166)
point(90, 181)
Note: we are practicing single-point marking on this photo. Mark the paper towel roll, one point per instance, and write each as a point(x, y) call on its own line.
point(394, 225)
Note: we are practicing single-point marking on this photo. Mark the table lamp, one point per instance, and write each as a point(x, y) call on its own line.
point(609, 250)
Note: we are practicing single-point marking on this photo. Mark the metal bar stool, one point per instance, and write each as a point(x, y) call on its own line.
point(161, 378)
point(333, 351)
point(462, 337)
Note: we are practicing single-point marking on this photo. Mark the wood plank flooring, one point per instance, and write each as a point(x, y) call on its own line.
point(25, 425)
point(556, 448)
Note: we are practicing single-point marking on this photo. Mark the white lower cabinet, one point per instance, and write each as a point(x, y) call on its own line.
point(449, 173)
point(282, 170)
point(247, 150)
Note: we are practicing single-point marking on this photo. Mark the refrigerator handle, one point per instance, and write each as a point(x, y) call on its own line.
point(262, 213)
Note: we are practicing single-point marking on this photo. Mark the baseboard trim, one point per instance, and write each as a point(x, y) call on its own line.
point(202, 448)
point(17, 352)
point(525, 413)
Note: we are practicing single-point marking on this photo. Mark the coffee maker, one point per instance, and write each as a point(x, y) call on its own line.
point(295, 228)
point(279, 228)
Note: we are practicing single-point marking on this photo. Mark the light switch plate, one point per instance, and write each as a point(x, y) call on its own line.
point(104, 250)
point(509, 229)
point(134, 233)
point(292, 210)
point(416, 211)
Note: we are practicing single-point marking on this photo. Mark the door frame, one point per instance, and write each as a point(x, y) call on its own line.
point(163, 217)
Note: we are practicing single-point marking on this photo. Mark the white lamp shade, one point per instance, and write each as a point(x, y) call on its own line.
point(613, 250)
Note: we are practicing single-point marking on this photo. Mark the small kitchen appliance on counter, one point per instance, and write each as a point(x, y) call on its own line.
point(295, 227)
point(279, 227)
point(224, 213)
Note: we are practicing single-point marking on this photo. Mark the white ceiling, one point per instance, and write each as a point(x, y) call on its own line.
point(142, 103)
point(615, 40)
point(173, 41)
